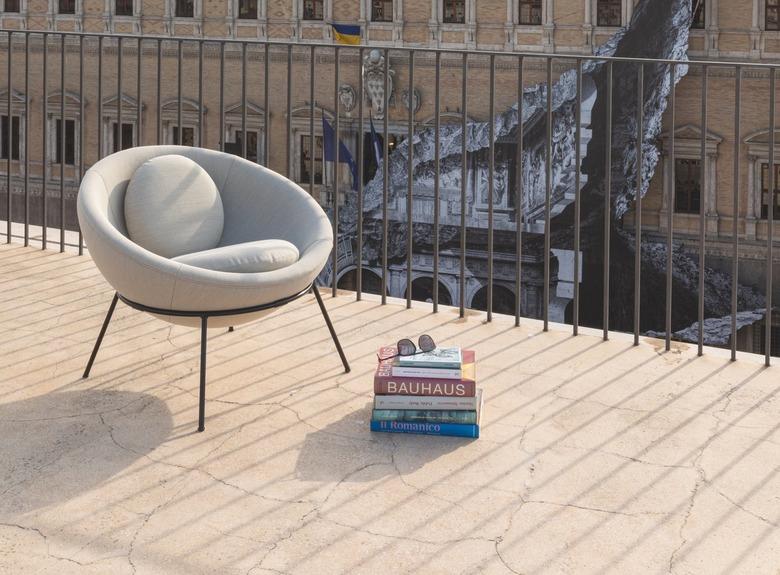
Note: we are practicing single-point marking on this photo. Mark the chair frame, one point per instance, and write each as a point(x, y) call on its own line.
point(204, 318)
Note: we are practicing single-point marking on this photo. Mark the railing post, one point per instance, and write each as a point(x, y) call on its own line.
point(9, 140)
point(385, 175)
point(436, 178)
point(63, 155)
point(702, 206)
point(336, 169)
point(410, 183)
point(640, 137)
point(670, 207)
point(770, 218)
point(735, 207)
point(44, 140)
point(361, 139)
point(575, 320)
point(463, 182)
point(607, 202)
point(547, 197)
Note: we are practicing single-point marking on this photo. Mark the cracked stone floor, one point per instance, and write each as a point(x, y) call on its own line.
point(594, 457)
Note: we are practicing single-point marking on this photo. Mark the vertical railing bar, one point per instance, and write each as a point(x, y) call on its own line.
point(361, 138)
point(62, 143)
point(548, 198)
point(463, 182)
point(118, 144)
point(266, 103)
point(100, 100)
point(735, 204)
point(45, 146)
point(200, 94)
point(770, 218)
point(312, 111)
point(519, 191)
point(159, 92)
point(178, 94)
point(139, 140)
point(409, 182)
point(221, 96)
point(243, 101)
point(640, 112)
point(436, 180)
point(289, 117)
point(385, 176)
point(83, 131)
point(607, 202)
point(491, 183)
point(27, 139)
point(336, 170)
point(575, 319)
point(702, 205)
point(10, 139)
point(670, 205)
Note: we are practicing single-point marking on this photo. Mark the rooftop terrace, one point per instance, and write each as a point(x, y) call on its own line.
point(595, 456)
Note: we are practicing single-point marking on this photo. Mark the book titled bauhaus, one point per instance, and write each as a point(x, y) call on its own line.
point(387, 383)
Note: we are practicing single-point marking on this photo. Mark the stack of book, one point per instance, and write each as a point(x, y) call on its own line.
point(432, 393)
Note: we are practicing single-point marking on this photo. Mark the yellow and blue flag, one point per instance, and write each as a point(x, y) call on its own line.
point(346, 33)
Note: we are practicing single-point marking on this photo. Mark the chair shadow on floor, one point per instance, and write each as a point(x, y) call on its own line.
point(60, 445)
point(346, 450)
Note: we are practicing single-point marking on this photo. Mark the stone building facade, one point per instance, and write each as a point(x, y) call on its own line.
point(744, 30)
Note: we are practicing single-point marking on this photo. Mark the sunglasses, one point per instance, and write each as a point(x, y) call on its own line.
point(407, 347)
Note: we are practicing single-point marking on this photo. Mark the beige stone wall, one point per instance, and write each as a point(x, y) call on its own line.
point(731, 34)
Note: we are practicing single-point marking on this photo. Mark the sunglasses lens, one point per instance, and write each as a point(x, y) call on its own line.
point(426, 343)
point(406, 347)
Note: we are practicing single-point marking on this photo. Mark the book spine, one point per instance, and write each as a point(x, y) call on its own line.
point(427, 372)
point(449, 429)
point(425, 416)
point(424, 402)
point(411, 386)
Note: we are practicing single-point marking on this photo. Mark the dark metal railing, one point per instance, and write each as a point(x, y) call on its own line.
point(25, 41)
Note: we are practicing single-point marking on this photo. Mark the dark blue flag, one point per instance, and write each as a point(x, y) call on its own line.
point(329, 150)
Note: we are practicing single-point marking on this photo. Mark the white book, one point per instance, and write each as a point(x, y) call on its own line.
point(427, 372)
point(426, 402)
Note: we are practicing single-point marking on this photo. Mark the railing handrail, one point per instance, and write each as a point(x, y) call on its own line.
point(306, 43)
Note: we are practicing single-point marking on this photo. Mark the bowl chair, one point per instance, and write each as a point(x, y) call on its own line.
point(258, 204)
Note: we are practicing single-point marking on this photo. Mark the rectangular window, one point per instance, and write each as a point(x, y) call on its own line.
point(188, 136)
point(123, 8)
point(382, 10)
point(185, 8)
point(313, 9)
point(609, 13)
point(454, 11)
point(9, 145)
point(772, 15)
point(765, 192)
point(687, 186)
point(67, 6)
point(530, 12)
point(306, 159)
point(247, 9)
point(11, 6)
point(70, 142)
point(237, 149)
point(127, 136)
point(698, 22)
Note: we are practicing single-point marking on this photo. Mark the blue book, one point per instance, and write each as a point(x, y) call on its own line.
point(426, 416)
point(451, 429)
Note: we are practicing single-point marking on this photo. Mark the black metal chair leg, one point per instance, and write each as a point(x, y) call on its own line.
point(100, 336)
point(330, 328)
point(202, 399)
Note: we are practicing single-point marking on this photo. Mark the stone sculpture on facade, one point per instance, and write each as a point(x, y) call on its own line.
point(374, 82)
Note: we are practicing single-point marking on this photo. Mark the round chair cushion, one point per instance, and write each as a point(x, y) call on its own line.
point(173, 207)
point(247, 257)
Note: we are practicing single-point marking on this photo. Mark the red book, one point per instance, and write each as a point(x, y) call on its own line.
point(385, 383)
